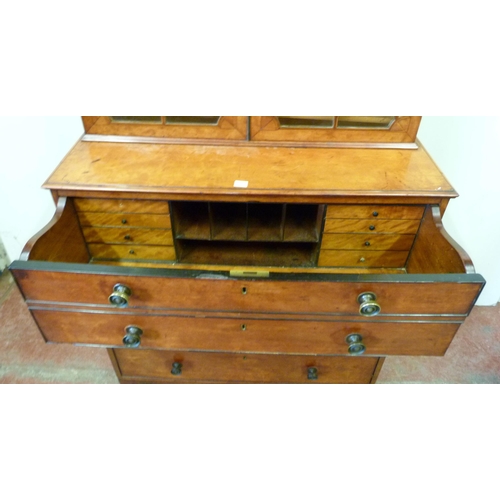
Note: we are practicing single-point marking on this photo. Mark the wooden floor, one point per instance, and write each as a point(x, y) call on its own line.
point(473, 358)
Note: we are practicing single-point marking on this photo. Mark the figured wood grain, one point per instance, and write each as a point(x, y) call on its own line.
point(362, 258)
point(128, 235)
point(265, 295)
point(131, 252)
point(367, 242)
point(292, 174)
point(245, 368)
point(365, 225)
point(61, 240)
point(124, 220)
point(246, 335)
point(435, 251)
point(121, 206)
point(369, 211)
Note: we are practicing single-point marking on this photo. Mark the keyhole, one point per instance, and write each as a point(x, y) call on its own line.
point(244, 290)
point(243, 327)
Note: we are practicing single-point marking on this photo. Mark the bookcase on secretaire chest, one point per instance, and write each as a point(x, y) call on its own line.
point(249, 249)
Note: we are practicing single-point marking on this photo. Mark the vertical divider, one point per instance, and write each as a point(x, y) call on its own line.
point(246, 221)
point(283, 220)
point(210, 220)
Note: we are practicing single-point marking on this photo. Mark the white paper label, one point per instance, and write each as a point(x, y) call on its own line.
point(240, 184)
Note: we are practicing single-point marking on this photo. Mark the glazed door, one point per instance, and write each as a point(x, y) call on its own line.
point(338, 129)
point(169, 127)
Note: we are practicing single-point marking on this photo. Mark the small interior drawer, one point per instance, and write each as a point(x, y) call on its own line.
point(374, 212)
point(371, 226)
point(362, 258)
point(124, 220)
point(144, 252)
point(121, 206)
point(128, 235)
point(252, 368)
point(367, 242)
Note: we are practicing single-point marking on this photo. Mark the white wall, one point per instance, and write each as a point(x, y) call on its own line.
point(467, 149)
point(30, 149)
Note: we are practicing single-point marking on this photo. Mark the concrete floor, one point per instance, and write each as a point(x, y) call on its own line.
point(473, 357)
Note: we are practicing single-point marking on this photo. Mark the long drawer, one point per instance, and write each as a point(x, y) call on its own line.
point(322, 294)
point(246, 335)
point(251, 368)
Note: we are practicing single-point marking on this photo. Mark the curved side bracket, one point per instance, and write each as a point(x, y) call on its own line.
point(61, 240)
point(435, 251)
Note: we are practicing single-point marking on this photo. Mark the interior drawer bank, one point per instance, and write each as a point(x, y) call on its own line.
point(56, 268)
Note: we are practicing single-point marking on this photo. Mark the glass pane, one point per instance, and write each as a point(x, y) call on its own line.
point(192, 120)
point(306, 121)
point(136, 119)
point(380, 122)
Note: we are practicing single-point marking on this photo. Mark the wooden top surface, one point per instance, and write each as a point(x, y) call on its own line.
point(269, 171)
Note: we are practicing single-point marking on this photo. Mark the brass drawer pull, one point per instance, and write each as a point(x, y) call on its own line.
point(356, 347)
point(368, 304)
point(176, 369)
point(312, 373)
point(132, 336)
point(120, 296)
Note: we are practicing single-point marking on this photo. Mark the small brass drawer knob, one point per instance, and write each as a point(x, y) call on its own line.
point(120, 296)
point(312, 373)
point(368, 305)
point(176, 369)
point(132, 336)
point(356, 347)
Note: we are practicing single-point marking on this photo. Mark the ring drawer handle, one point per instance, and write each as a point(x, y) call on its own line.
point(176, 369)
point(312, 373)
point(368, 304)
point(132, 336)
point(120, 296)
point(356, 347)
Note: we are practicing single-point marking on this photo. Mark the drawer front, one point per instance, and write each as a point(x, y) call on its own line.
point(371, 226)
point(367, 242)
point(124, 220)
point(246, 335)
point(250, 368)
point(396, 295)
point(121, 206)
point(128, 235)
point(149, 252)
point(373, 212)
point(364, 258)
